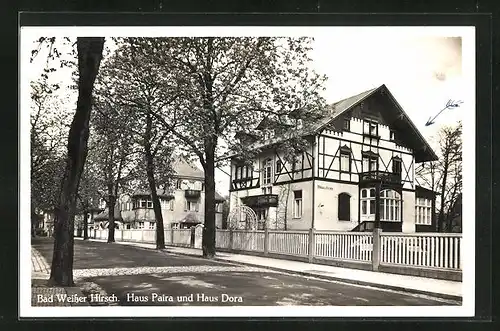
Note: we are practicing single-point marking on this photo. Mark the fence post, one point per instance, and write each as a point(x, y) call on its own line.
point(122, 234)
point(310, 239)
point(172, 235)
point(266, 241)
point(192, 237)
point(142, 235)
point(230, 239)
point(377, 249)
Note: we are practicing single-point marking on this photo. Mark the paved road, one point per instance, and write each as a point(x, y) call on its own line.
point(130, 275)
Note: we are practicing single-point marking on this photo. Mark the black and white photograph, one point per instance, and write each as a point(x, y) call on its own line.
point(233, 171)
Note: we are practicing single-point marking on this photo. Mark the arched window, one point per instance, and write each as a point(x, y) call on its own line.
point(344, 207)
point(390, 206)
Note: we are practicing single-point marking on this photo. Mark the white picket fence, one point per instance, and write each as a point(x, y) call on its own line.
point(429, 250)
point(420, 250)
point(289, 242)
point(356, 246)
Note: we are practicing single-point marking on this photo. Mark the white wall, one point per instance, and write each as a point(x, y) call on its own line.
point(326, 201)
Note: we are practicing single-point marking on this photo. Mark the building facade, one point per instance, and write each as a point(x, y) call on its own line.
point(182, 206)
point(363, 151)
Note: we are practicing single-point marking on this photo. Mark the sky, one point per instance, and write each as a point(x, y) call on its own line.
point(422, 70)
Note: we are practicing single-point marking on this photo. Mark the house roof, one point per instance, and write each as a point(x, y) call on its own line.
point(394, 113)
point(162, 193)
point(104, 215)
point(219, 197)
point(183, 168)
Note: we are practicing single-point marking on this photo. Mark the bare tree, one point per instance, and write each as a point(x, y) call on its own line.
point(445, 175)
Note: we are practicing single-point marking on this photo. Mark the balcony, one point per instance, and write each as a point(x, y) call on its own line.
point(380, 176)
point(264, 200)
point(192, 194)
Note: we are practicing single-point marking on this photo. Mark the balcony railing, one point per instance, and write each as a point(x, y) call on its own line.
point(192, 194)
point(383, 176)
point(263, 200)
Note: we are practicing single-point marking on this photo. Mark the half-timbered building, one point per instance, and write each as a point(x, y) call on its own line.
point(362, 152)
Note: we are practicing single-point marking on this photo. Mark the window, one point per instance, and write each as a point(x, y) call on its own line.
point(347, 124)
point(140, 225)
point(151, 225)
point(368, 203)
point(370, 128)
point(279, 166)
point(267, 167)
point(370, 163)
point(390, 206)
point(344, 207)
point(128, 226)
point(297, 205)
point(149, 204)
point(267, 190)
point(396, 165)
point(345, 160)
point(423, 211)
point(179, 184)
point(191, 206)
point(392, 135)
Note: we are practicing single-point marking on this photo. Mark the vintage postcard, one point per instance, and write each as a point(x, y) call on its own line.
point(247, 171)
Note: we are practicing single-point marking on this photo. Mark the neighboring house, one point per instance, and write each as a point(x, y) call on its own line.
point(363, 140)
point(182, 206)
point(99, 218)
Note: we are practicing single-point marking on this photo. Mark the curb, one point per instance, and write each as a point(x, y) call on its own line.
point(339, 279)
point(327, 277)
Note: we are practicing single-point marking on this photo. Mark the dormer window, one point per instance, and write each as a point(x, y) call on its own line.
point(370, 128)
point(392, 135)
point(299, 123)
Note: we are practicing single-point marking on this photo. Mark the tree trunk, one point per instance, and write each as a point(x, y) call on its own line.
point(160, 234)
point(85, 224)
point(441, 218)
point(89, 58)
point(208, 240)
point(111, 218)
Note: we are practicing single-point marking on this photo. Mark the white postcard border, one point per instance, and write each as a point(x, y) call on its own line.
point(468, 65)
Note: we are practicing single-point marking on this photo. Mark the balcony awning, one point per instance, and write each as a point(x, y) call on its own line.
point(264, 200)
point(192, 194)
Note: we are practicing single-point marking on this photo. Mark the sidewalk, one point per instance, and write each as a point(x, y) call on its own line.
point(419, 285)
point(43, 295)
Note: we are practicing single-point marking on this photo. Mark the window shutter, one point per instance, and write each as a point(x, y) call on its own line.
point(344, 207)
point(185, 205)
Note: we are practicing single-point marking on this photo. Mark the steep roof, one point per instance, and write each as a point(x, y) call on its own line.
point(423, 151)
point(104, 215)
point(219, 197)
point(183, 168)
